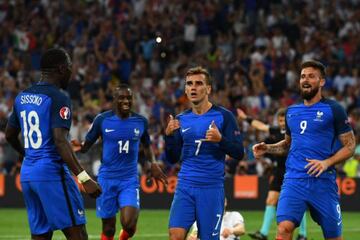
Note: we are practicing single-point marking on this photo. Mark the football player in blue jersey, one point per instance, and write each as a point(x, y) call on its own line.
point(276, 133)
point(42, 115)
point(201, 137)
point(121, 131)
point(318, 136)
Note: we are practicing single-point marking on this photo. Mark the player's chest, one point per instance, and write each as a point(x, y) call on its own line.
point(196, 127)
point(312, 120)
point(122, 131)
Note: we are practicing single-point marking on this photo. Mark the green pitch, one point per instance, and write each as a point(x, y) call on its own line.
point(153, 225)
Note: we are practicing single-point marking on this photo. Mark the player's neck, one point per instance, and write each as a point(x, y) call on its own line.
point(201, 107)
point(122, 115)
point(46, 78)
point(314, 100)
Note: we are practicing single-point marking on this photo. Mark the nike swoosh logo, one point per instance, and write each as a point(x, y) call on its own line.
point(214, 234)
point(109, 130)
point(184, 130)
point(80, 212)
point(339, 223)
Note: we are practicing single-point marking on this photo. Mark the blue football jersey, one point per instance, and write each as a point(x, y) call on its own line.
point(121, 139)
point(37, 110)
point(203, 162)
point(314, 132)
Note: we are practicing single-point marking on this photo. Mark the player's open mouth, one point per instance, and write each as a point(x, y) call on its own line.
point(306, 86)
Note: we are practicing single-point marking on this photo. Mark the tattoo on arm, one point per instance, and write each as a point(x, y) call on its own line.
point(348, 141)
point(280, 148)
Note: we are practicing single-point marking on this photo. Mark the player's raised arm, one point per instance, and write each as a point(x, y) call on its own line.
point(64, 149)
point(259, 125)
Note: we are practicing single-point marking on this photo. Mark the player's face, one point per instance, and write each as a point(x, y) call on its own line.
point(310, 82)
point(123, 101)
point(281, 122)
point(196, 88)
point(66, 72)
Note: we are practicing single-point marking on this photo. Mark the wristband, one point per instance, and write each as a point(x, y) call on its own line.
point(249, 120)
point(83, 177)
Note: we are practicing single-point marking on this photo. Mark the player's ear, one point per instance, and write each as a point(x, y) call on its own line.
point(322, 82)
point(208, 89)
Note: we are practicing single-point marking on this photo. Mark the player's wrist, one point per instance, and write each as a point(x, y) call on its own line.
point(83, 177)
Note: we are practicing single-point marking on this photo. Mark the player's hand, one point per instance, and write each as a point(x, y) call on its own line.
point(92, 188)
point(76, 145)
point(17, 167)
point(173, 124)
point(259, 149)
point(213, 134)
point(157, 173)
point(316, 167)
point(241, 114)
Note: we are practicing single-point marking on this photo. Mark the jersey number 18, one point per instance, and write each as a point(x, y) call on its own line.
point(31, 126)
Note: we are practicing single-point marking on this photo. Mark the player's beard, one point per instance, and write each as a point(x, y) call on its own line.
point(308, 95)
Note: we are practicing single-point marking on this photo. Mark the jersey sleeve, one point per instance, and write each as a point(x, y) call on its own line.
point(231, 141)
point(60, 111)
point(287, 129)
point(13, 119)
point(341, 122)
point(94, 131)
point(145, 138)
point(173, 146)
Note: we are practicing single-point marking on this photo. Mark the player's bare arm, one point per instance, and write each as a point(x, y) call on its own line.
point(64, 149)
point(155, 170)
point(259, 125)
point(81, 147)
point(12, 136)
point(279, 148)
point(317, 167)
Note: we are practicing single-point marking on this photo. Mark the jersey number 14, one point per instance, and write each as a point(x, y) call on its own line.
point(123, 146)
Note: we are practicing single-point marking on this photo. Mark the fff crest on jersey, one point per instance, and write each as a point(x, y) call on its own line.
point(136, 132)
point(319, 115)
point(65, 113)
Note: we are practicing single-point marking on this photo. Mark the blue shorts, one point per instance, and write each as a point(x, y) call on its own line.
point(116, 194)
point(318, 195)
point(203, 205)
point(53, 205)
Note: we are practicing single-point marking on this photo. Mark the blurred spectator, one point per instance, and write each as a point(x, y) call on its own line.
point(352, 165)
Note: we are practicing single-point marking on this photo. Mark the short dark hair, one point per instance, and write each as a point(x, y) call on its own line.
point(200, 70)
point(315, 64)
point(54, 57)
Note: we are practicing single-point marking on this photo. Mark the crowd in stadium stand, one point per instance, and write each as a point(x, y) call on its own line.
point(252, 49)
